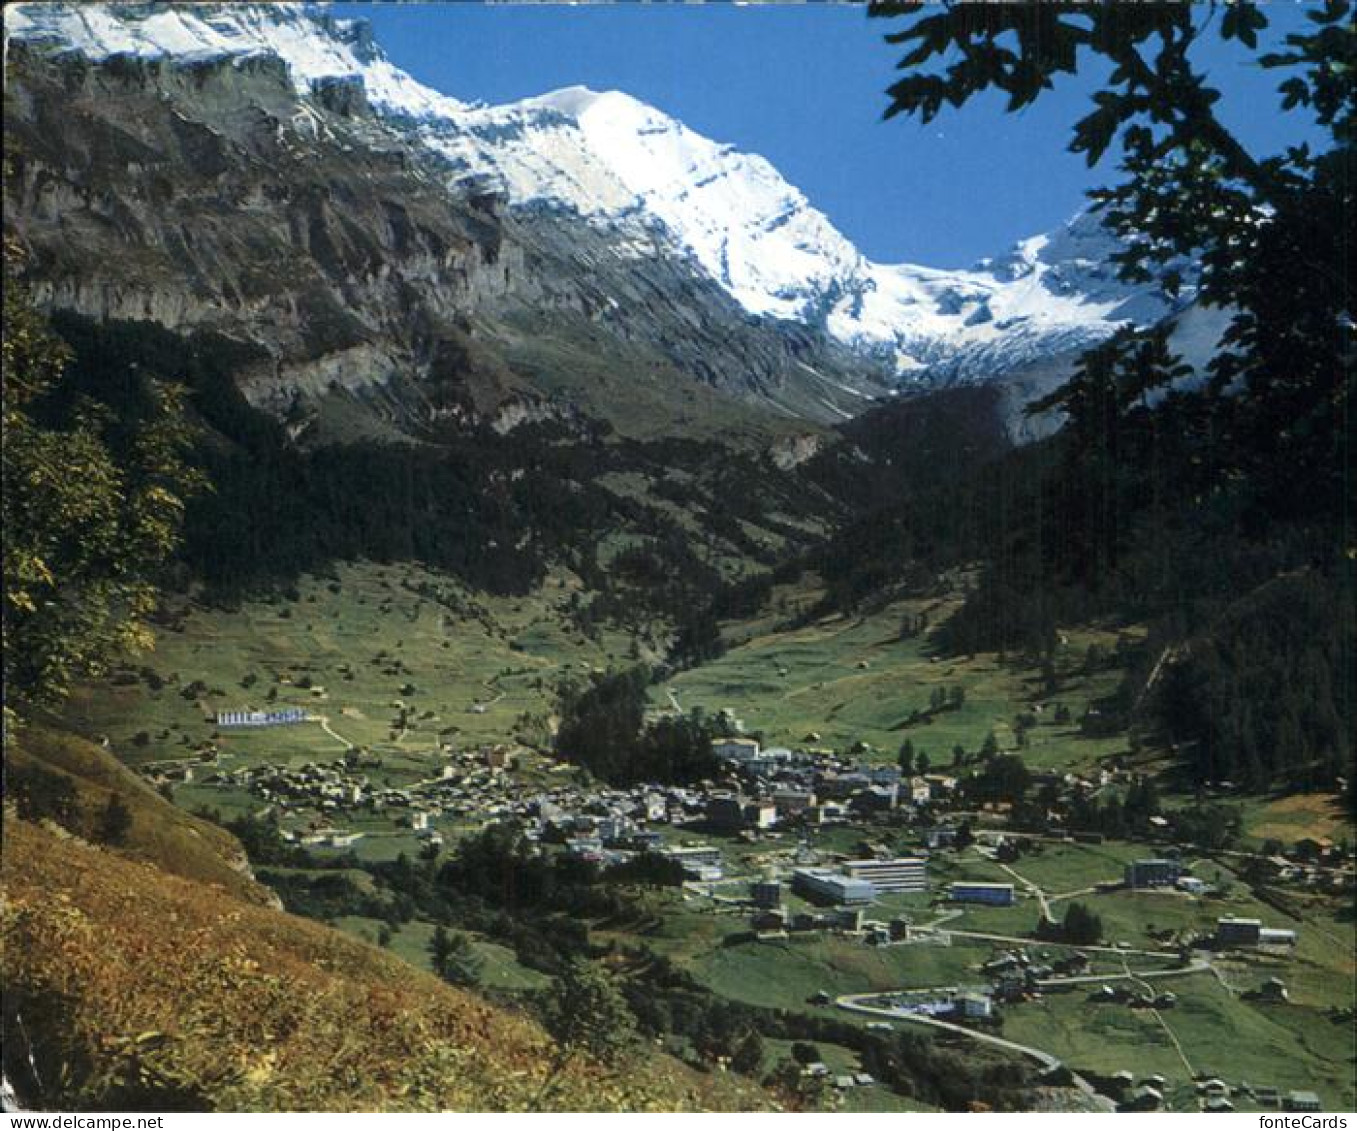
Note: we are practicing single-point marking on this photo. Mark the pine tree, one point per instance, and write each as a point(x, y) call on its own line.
point(440, 948)
point(586, 1012)
point(905, 758)
point(748, 1055)
point(115, 821)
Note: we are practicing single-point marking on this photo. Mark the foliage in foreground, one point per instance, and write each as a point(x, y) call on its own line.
point(92, 506)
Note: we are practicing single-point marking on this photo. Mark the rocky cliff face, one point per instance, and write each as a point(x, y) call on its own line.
point(211, 195)
point(265, 171)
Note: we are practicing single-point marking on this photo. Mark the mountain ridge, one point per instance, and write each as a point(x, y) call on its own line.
point(656, 187)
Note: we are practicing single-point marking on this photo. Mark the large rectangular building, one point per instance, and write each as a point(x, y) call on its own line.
point(1238, 932)
point(834, 887)
point(996, 895)
point(1153, 873)
point(904, 873)
point(698, 863)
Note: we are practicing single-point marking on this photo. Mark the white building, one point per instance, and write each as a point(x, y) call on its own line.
point(976, 1006)
point(698, 863)
point(736, 749)
point(760, 814)
point(904, 873)
point(834, 886)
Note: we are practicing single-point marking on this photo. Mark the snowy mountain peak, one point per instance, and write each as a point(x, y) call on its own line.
point(628, 166)
point(572, 100)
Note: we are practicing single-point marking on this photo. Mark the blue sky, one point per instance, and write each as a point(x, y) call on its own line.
point(804, 86)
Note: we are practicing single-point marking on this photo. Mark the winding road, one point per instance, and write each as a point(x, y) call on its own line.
point(862, 1003)
point(324, 721)
point(858, 1004)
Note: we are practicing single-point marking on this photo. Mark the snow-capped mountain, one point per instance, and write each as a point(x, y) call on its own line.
point(651, 182)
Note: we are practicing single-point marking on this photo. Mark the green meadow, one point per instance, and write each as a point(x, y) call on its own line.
point(851, 679)
point(357, 648)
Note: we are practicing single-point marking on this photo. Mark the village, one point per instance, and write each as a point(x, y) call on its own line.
point(787, 844)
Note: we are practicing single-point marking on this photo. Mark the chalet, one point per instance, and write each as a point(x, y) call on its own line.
point(940, 836)
point(1314, 848)
point(940, 785)
point(874, 799)
point(766, 893)
point(725, 813)
point(791, 801)
point(499, 758)
point(759, 815)
point(1121, 1082)
point(1145, 1098)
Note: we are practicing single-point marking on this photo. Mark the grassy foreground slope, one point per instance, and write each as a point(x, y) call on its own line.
point(157, 830)
point(137, 988)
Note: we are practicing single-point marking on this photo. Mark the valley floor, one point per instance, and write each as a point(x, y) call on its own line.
point(408, 677)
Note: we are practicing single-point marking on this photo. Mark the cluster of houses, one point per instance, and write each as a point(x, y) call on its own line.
point(1018, 975)
point(1312, 862)
point(821, 788)
point(601, 823)
point(761, 790)
point(1213, 1094)
point(818, 1069)
point(320, 793)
